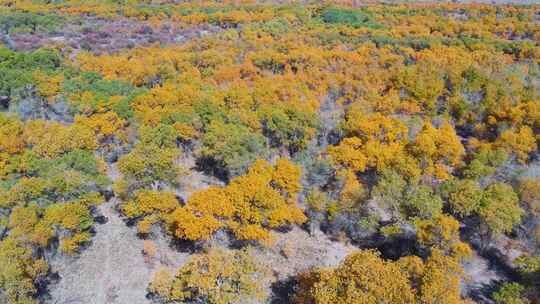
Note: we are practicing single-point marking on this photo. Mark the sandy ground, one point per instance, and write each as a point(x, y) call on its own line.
point(112, 269)
point(480, 278)
point(297, 251)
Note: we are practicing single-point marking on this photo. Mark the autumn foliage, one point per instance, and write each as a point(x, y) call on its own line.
point(262, 199)
point(371, 123)
point(364, 277)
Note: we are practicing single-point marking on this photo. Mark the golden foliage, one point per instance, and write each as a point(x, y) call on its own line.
point(48, 86)
point(440, 282)
point(151, 206)
point(438, 148)
point(365, 278)
point(442, 233)
point(50, 139)
point(11, 135)
point(219, 277)
point(104, 125)
point(141, 66)
point(529, 194)
point(374, 141)
point(521, 142)
point(263, 198)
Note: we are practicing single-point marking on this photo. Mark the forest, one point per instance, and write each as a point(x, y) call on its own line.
point(273, 152)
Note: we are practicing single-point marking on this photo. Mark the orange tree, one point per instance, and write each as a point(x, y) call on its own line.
point(251, 204)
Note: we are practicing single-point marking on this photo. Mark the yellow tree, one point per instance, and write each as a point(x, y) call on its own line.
point(217, 277)
point(440, 281)
point(363, 278)
point(440, 149)
point(262, 199)
point(442, 233)
point(51, 139)
point(104, 125)
point(19, 271)
point(151, 206)
point(11, 131)
point(373, 141)
point(521, 142)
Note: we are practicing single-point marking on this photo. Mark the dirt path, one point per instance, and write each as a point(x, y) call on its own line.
point(296, 251)
point(112, 270)
point(480, 277)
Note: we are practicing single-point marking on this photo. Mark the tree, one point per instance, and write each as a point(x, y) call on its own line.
point(264, 198)
point(74, 219)
point(363, 278)
point(11, 139)
point(105, 125)
point(439, 148)
point(288, 126)
point(529, 194)
point(149, 166)
point(529, 270)
point(232, 146)
point(51, 139)
point(19, 271)
point(484, 162)
point(48, 191)
point(218, 277)
point(352, 192)
point(424, 82)
point(151, 206)
point(140, 66)
point(390, 191)
point(442, 233)
point(421, 202)
point(18, 69)
point(351, 17)
point(440, 282)
point(373, 141)
point(521, 142)
point(48, 86)
point(318, 206)
point(186, 223)
point(152, 162)
point(499, 208)
point(406, 199)
point(510, 293)
point(464, 196)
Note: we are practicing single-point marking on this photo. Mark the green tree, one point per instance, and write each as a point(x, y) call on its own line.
point(234, 146)
point(149, 166)
point(499, 208)
point(287, 126)
point(464, 196)
point(390, 191)
point(422, 202)
point(510, 293)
